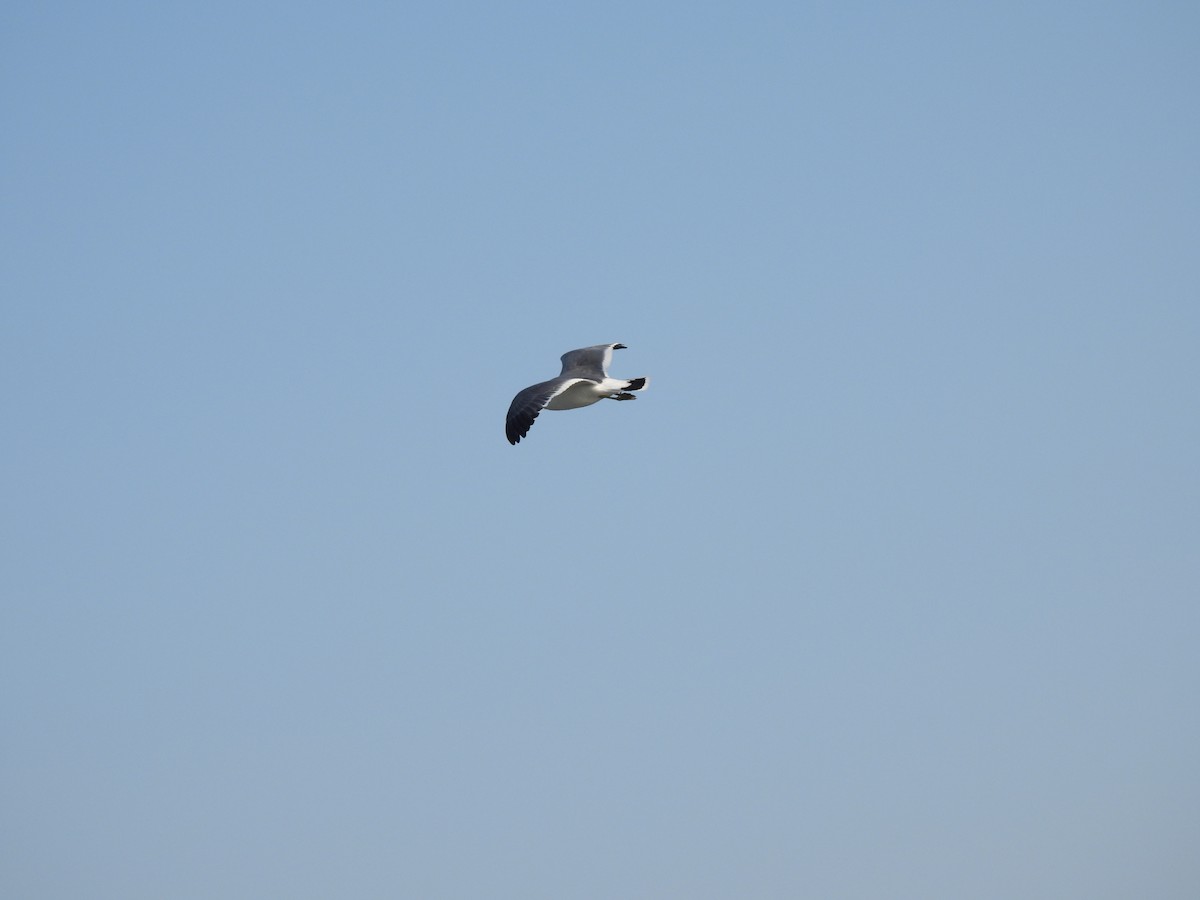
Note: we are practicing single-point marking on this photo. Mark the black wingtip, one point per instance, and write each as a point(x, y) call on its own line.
point(517, 427)
point(620, 347)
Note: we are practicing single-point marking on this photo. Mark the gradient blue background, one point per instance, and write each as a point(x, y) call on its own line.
point(887, 587)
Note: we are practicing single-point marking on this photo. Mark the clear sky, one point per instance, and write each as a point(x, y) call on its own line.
point(888, 587)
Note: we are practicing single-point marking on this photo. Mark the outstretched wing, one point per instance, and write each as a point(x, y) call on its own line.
point(589, 362)
point(527, 404)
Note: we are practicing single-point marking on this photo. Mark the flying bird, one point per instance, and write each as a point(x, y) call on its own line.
point(584, 380)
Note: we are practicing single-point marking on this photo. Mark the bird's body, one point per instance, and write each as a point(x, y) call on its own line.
point(583, 381)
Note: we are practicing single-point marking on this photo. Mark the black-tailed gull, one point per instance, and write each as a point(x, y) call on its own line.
point(584, 381)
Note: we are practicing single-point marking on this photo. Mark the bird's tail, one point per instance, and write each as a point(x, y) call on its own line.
point(637, 384)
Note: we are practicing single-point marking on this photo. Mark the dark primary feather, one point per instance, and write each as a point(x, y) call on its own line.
point(525, 408)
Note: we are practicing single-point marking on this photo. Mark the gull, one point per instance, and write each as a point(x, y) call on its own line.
point(584, 380)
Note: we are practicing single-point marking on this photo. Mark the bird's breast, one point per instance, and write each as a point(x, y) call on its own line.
point(581, 393)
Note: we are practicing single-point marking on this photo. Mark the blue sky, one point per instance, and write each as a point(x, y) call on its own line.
point(887, 586)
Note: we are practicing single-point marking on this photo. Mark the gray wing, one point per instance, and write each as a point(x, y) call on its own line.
point(589, 362)
point(526, 406)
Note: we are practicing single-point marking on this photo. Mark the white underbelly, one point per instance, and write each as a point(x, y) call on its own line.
point(582, 393)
